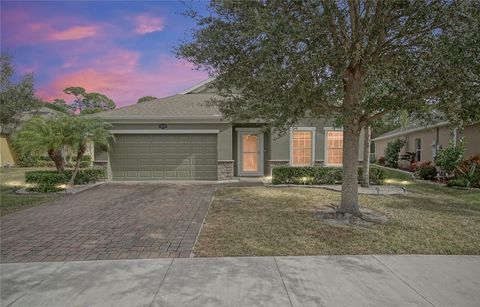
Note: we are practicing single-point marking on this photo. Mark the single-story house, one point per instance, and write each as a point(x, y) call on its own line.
point(181, 137)
point(8, 156)
point(424, 141)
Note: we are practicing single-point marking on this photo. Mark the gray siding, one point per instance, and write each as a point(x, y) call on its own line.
point(280, 143)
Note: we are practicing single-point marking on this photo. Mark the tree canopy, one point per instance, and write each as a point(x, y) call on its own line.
point(88, 103)
point(16, 98)
point(146, 98)
point(357, 61)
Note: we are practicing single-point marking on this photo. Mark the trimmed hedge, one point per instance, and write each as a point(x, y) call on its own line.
point(48, 181)
point(319, 175)
point(45, 181)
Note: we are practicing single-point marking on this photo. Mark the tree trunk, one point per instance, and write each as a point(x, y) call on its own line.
point(352, 84)
point(80, 153)
point(56, 156)
point(366, 157)
point(349, 201)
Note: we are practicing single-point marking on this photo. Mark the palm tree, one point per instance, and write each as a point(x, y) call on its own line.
point(80, 131)
point(39, 135)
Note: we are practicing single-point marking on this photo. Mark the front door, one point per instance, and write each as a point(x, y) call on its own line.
point(250, 153)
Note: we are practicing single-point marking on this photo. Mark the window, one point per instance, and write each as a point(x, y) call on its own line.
point(334, 147)
point(418, 149)
point(302, 144)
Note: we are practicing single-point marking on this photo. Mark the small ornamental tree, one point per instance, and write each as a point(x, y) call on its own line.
point(356, 61)
point(392, 152)
point(39, 135)
point(449, 158)
point(80, 131)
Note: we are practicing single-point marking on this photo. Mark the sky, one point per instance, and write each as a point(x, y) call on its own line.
point(123, 49)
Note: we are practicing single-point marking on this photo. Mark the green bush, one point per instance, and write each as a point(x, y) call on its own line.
point(48, 181)
point(85, 161)
point(426, 171)
point(377, 175)
point(318, 175)
point(45, 181)
point(448, 158)
point(457, 183)
point(88, 175)
point(392, 151)
point(27, 160)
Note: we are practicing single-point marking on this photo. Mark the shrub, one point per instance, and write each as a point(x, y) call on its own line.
point(457, 183)
point(426, 171)
point(392, 151)
point(48, 181)
point(413, 167)
point(448, 158)
point(377, 175)
point(469, 170)
point(318, 175)
point(27, 160)
point(381, 160)
point(85, 161)
point(45, 181)
point(88, 175)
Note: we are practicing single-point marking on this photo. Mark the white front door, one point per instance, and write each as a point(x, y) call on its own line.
point(250, 153)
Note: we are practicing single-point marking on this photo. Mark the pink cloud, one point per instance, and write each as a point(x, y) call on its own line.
point(148, 24)
point(119, 76)
point(74, 33)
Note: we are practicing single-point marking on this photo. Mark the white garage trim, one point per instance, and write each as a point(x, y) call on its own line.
point(192, 131)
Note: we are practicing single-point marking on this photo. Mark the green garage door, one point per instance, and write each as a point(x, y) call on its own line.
point(164, 157)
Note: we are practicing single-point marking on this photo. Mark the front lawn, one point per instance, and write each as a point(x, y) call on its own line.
point(12, 179)
point(262, 221)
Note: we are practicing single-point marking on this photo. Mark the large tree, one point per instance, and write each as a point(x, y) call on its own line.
point(88, 103)
point(278, 61)
point(16, 98)
point(60, 105)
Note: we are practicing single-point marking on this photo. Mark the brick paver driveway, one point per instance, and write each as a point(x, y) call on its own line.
point(111, 221)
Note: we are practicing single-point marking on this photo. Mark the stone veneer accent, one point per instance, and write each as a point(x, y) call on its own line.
point(225, 170)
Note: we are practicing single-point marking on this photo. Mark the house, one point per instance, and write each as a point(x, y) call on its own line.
point(182, 137)
point(7, 154)
point(424, 141)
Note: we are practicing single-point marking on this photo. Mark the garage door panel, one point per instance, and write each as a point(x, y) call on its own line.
point(150, 157)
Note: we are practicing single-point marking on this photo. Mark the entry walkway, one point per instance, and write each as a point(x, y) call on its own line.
point(255, 281)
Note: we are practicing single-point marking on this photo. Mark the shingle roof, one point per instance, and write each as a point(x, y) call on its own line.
point(182, 106)
point(410, 128)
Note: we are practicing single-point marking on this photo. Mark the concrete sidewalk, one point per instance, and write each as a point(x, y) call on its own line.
point(255, 281)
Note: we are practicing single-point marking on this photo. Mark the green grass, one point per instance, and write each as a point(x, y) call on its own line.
point(12, 179)
point(429, 219)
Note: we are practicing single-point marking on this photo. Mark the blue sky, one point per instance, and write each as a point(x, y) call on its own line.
point(119, 48)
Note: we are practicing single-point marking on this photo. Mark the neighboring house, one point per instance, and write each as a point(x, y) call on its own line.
point(7, 154)
point(424, 141)
point(181, 137)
